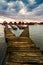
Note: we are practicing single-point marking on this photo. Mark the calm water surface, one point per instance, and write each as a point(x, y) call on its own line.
point(3, 45)
point(36, 34)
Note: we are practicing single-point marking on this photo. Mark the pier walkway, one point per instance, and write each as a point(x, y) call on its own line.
point(21, 50)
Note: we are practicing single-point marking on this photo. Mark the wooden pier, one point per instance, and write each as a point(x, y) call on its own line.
point(21, 50)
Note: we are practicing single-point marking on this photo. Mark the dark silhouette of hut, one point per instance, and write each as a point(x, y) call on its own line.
point(5, 23)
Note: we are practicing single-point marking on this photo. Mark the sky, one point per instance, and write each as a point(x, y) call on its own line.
point(31, 10)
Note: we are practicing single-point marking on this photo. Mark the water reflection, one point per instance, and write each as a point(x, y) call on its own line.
point(3, 45)
point(36, 34)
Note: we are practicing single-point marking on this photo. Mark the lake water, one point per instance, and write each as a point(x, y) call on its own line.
point(35, 32)
point(3, 45)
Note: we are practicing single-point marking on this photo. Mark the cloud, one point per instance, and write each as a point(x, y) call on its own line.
point(32, 2)
point(15, 7)
point(25, 2)
point(22, 9)
point(39, 10)
point(37, 13)
point(3, 5)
